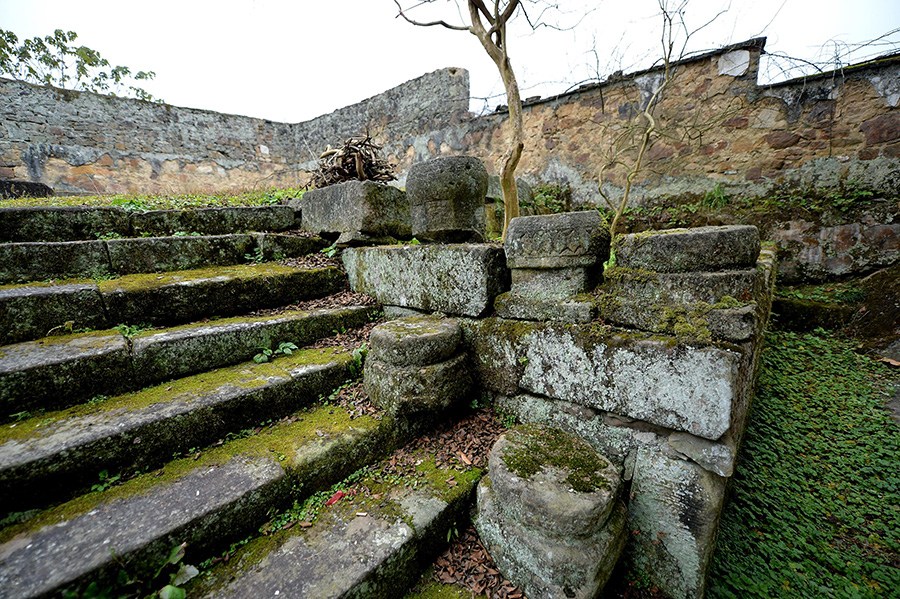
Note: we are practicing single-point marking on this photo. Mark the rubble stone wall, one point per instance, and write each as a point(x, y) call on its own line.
point(80, 142)
point(718, 126)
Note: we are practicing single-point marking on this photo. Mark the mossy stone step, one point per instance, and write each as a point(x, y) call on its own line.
point(208, 503)
point(362, 546)
point(72, 223)
point(49, 456)
point(39, 261)
point(31, 311)
point(56, 372)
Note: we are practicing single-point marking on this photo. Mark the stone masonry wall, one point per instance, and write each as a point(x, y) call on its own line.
point(80, 142)
point(717, 125)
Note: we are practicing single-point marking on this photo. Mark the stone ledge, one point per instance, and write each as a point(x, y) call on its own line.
point(683, 250)
point(690, 386)
point(458, 279)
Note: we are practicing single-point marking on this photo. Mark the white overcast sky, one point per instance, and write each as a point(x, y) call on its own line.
point(292, 60)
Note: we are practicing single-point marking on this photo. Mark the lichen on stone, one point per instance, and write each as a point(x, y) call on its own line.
point(532, 448)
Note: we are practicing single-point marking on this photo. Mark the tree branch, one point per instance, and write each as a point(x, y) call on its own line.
point(430, 23)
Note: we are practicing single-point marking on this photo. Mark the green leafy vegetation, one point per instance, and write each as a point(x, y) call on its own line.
point(257, 256)
point(144, 202)
point(267, 354)
point(830, 293)
point(815, 506)
point(359, 359)
point(550, 198)
point(51, 60)
point(717, 206)
point(132, 330)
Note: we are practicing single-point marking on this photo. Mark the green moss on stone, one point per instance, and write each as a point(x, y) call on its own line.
point(143, 282)
point(280, 440)
point(531, 448)
point(246, 376)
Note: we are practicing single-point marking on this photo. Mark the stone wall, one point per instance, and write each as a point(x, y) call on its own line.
point(717, 125)
point(80, 142)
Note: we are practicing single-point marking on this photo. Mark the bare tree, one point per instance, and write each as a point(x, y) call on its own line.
point(489, 25)
point(630, 148)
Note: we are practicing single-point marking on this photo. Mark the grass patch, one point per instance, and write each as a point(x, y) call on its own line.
point(815, 505)
point(143, 202)
point(848, 293)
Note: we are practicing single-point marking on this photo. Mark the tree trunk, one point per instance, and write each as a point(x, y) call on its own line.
point(514, 148)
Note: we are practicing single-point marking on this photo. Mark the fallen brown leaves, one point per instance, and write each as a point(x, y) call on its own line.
point(461, 445)
point(466, 563)
point(317, 260)
point(355, 400)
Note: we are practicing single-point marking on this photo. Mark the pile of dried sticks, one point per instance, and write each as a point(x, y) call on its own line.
point(357, 159)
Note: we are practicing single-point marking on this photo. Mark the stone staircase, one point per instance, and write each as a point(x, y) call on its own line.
point(185, 413)
point(138, 416)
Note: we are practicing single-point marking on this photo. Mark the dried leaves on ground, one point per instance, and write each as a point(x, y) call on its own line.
point(350, 339)
point(317, 260)
point(356, 160)
point(466, 563)
point(461, 445)
point(341, 299)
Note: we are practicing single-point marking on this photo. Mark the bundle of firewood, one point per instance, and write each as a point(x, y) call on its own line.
point(357, 159)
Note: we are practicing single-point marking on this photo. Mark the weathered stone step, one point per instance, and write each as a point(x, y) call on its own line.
point(209, 502)
point(373, 542)
point(39, 261)
point(31, 311)
point(44, 458)
point(81, 222)
point(56, 372)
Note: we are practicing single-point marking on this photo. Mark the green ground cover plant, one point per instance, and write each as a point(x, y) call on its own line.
point(814, 507)
point(144, 202)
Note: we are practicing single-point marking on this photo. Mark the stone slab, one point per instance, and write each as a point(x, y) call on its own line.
point(458, 279)
point(682, 250)
point(138, 532)
point(674, 515)
point(170, 353)
point(363, 207)
point(362, 549)
point(32, 311)
point(512, 306)
point(619, 438)
point(545, 500)
point(213, 221)
point(155, 254)
point(557, 240)
point(446, 195)
point(54, 371)
point(549, 567)
point(555, 283)
point(681, 288)
point(415, 341)
point(700, 322)
point(61, 223)
point(695, 388)
point(140, 430)
point(11, 188)
point(418, 396)
point(276, 246)
point(183, 296)
point(39, 261)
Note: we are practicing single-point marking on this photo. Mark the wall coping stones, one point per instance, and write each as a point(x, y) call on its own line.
point(682, 250)
point(458, 279)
